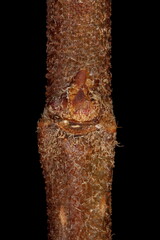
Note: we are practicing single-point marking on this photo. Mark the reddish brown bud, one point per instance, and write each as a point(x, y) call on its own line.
point(80, 78)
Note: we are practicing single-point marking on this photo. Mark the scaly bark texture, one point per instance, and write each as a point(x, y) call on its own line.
point(77, 130)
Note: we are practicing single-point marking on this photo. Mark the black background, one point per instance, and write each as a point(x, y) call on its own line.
point(24, 97)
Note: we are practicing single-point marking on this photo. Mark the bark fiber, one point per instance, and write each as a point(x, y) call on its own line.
point(77, 130)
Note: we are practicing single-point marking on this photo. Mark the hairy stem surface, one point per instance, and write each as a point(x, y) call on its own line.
point(77, 130)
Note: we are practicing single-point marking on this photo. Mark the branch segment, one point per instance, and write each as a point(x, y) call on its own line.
point(77, 131)
point(78, 34)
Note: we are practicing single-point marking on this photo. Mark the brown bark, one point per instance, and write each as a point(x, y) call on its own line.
point(77, 131)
